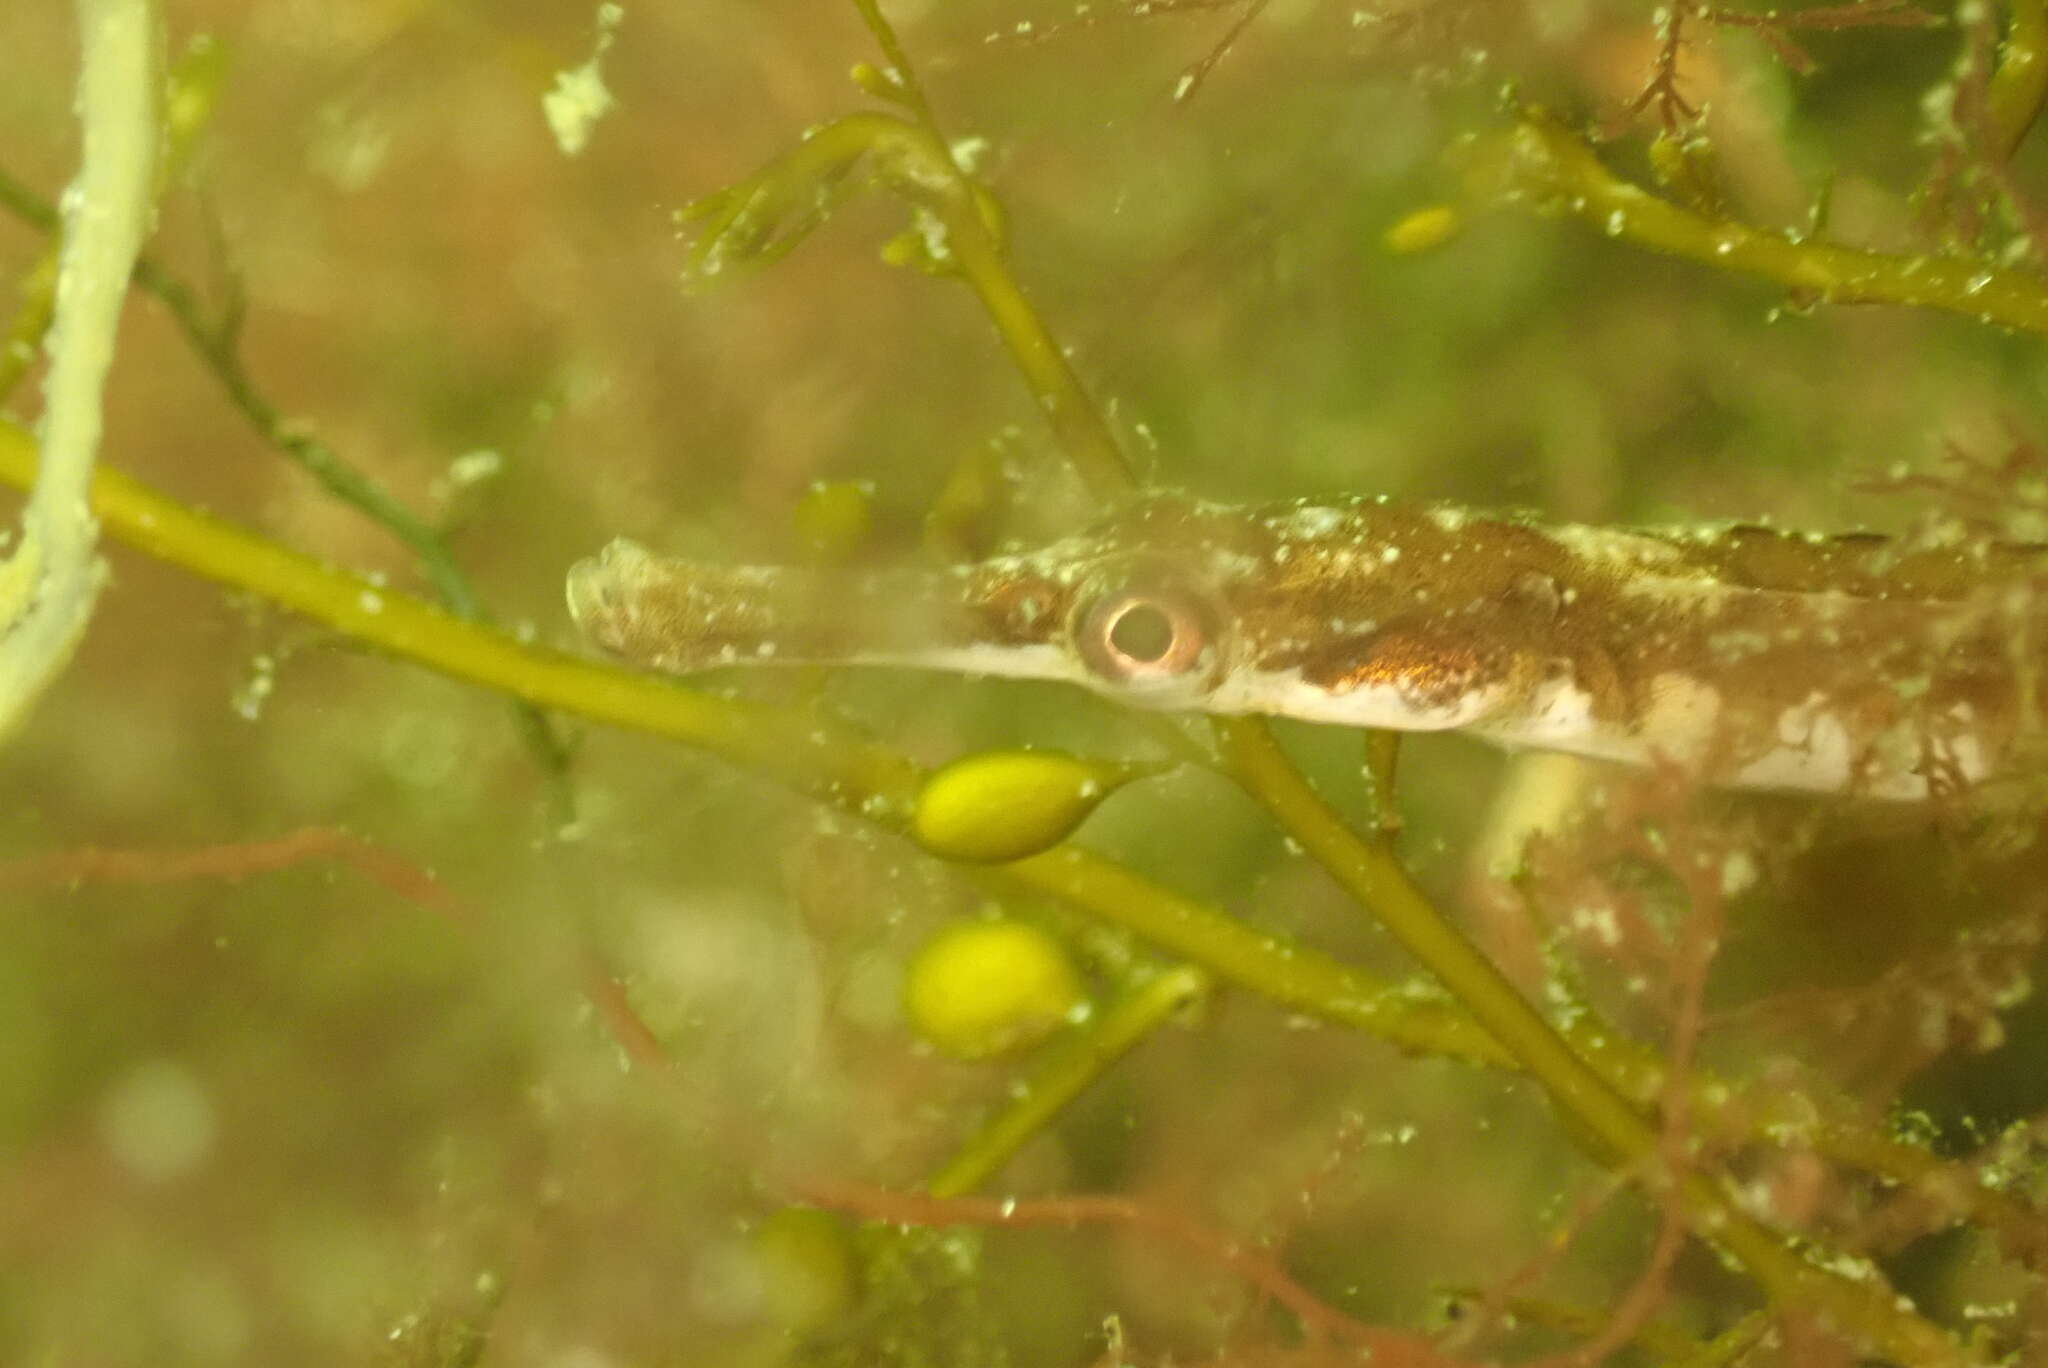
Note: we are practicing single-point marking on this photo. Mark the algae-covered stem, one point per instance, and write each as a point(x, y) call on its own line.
point(49, 584)
point(1544, 165)
point(2013, 97)
point(978, 255)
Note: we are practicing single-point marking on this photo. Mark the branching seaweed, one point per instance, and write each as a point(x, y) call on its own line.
point(1541, 165)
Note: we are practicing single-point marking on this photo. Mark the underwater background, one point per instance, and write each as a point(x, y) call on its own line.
point(412, 1028)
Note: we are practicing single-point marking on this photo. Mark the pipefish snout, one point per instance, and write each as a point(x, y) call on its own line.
point(1754, 657)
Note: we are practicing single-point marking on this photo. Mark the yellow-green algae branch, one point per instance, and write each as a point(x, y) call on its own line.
point(1368, 870)
point(976, 248)
point(2018, 87)
point(1074, 1064)
point(1543, 165)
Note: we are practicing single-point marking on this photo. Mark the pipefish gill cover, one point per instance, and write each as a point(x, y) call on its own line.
point(1115, 419)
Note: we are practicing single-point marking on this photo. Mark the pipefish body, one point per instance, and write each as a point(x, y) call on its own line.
point(1754, 657)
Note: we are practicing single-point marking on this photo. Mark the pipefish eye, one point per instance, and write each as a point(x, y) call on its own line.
point(1148, 634)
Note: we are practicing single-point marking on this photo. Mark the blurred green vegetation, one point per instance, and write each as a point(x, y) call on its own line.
point(315, 1115)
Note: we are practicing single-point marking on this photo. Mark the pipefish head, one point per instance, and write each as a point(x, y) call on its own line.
point(1169, 602)
point(1128, 607)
